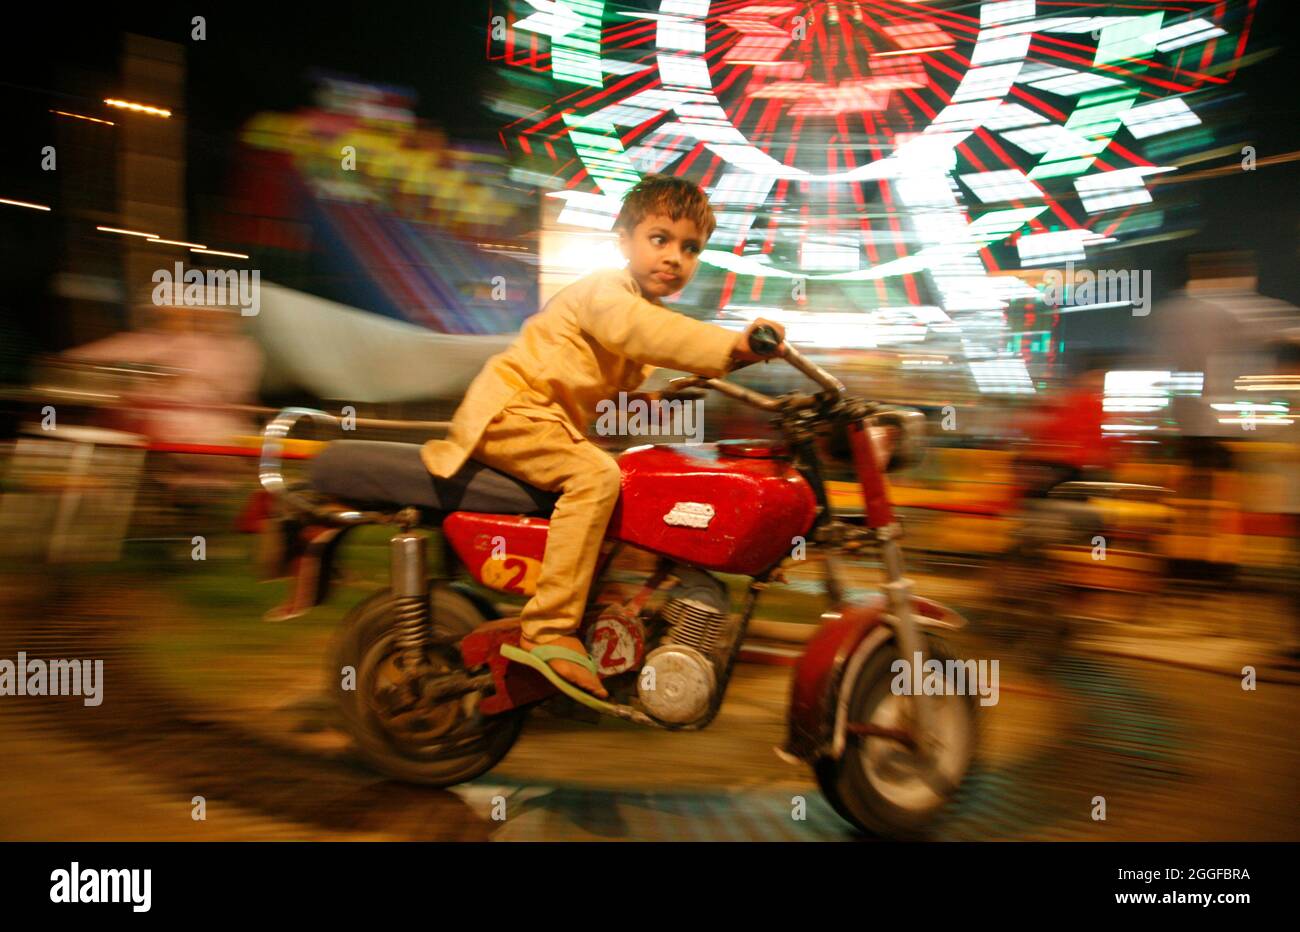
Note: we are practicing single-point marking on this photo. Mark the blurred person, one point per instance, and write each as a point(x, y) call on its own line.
point(213, 365)
point(207, 365)
point(1064, 439)
point(1032, 585)
point(1288, 364)
point(1218, 325)
point(525, 413)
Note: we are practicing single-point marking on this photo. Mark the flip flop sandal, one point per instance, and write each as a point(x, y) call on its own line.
point(538, 659)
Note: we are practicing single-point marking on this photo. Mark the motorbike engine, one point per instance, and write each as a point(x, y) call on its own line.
point(679, 680)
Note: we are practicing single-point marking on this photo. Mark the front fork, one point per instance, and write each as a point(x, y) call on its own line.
point(898, 597)
point(898, 588)
point(902, 620)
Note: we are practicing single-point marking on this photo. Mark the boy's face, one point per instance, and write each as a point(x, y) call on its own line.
point(662, 253)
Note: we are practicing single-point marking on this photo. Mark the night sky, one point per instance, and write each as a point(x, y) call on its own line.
point(252, 62)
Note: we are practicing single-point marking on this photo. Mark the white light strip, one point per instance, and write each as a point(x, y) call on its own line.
point(127, 232)
point(5, 200)
point(217, 252)
point(176, 242)
point(137, 108)
point(78, 116)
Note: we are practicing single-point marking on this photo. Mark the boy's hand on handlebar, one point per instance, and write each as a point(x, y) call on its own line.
point(741, 351)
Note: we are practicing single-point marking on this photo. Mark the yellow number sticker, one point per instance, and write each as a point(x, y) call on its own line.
point(513, 574)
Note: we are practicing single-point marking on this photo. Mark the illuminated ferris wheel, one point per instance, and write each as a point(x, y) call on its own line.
point(915, 153)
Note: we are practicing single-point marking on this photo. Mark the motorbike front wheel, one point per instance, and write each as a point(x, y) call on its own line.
point(878, 784)
point(433, 742)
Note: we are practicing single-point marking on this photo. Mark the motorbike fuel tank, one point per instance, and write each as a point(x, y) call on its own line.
point(729, 514)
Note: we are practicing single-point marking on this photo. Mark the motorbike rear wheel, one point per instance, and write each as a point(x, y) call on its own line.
point(877, 783)
point(1025, 607)
point(439, 742)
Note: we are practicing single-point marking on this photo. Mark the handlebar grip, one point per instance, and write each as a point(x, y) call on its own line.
point(763, 341)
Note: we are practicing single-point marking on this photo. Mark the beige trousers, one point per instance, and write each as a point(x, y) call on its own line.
point(551, 456)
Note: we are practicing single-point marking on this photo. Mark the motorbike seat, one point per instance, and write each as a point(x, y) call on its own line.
point(369, 473)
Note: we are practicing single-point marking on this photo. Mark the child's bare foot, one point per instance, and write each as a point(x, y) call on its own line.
point(583, 679)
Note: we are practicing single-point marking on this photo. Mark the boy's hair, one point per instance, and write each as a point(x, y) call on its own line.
point(665, 194)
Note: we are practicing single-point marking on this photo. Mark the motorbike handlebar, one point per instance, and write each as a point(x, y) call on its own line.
point(763, 341)
point(764, 338)
point(815, 372)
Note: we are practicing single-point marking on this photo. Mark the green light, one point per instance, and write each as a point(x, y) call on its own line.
point(1130, 38)
point(575, 56)
point(602, 153)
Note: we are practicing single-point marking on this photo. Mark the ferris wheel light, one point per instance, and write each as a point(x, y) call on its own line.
point(829, 254)
point(1008, 185)
point(1051, 248)
point(1012, 116)
point(1125, 187)
point(684, 71)
point(913, 51)
point(1000, 50)
point(594, 211)
point(1072, 83)
point(553, 19)
point(1192, 32)
point(1160, 116)
point(1008, 11)
point(945, 137)
point(987, 81)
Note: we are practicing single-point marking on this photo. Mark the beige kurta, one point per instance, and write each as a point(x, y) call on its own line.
point(593, 339)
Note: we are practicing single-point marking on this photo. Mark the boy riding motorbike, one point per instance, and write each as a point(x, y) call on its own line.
point(525, 413)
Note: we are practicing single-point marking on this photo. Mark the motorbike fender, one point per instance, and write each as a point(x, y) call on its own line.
point(846, 639)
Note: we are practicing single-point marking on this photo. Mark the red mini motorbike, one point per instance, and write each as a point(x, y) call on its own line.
point(428, 696)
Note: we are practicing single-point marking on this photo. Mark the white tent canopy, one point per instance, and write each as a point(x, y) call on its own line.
point(336, 351)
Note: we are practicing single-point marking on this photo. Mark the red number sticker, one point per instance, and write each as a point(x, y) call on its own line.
point(512, 584)
point(611, 644)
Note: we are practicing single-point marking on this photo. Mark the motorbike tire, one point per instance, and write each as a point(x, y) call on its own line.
point(369, 633)
point(1028, 612)
point(853, 784)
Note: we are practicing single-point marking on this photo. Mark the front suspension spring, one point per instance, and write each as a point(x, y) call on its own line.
point(412, 629)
